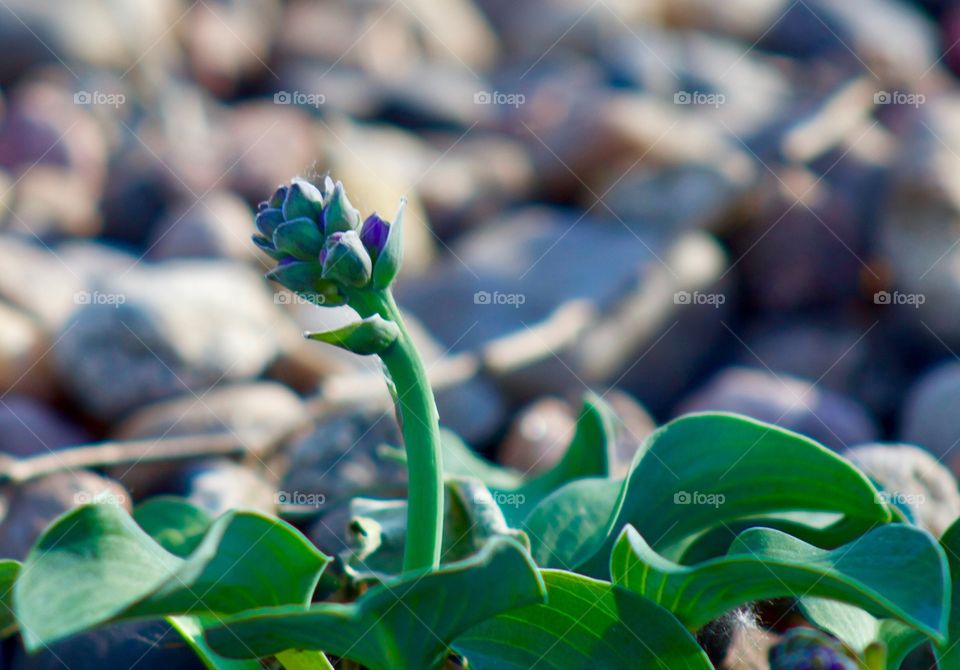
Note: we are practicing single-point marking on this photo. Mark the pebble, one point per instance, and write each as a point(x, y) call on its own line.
point(164, 330)
point(911, 477)
point(242, 409)
point(569, 302)
point(219, 226)
point(219, 485)
point(341, 458)
point(917, 227)
point(265, 144)
point(229, 43)
point(49, 282)
point(791, 402)
point(806, 248)
point(672, 199)
point(146, 645)
point(482, 175)
point(255, 413)
point(930, 416)
point(860, 360)
point(52, 202)
point(43, 126)
point(35, 504)
point(538, 436)
point(23, 345)
point(30, 428)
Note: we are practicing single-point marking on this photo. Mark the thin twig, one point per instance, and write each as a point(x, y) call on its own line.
point(104, 454)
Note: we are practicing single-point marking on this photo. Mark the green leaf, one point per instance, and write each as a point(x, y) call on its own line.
point(584, 624)
point(590, 454)
point(179, 526)
point(406, 624)
point(695, 474)
point(948, 656)
point(95, 565)
point(174, 523)
point(894, 571)
point(302, 660)
point(366, 337)
point(859, 630)
point(8, 575)
point(825, 530)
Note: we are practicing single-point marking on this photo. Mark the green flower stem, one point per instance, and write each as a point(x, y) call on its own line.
point(421, 434)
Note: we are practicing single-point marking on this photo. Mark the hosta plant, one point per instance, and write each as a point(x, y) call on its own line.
point(486, 568)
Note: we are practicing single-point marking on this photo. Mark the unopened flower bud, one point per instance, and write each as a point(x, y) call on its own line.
point(345, 260)
point(390, 253)
point(267, 221)
point(299, 238)
point(278, 197)
point(373, 234)
point(339, 215)
point(304, 279)
point(303, 200)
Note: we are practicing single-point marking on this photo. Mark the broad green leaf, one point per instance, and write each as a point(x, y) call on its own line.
point(8, 575)
point(859, 630)
point(948, 656)
point(697, 473)
point(95, 565)
point(894, 571)
point(570, 524)
point(405, 624)
point(584, 624)
point(590, 454)
point(302, 660)
point(176, 524)
point(179, 526)
point(191, 630)
point(825, 530)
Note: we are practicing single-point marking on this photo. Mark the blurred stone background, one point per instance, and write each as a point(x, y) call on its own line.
point(685, 205)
